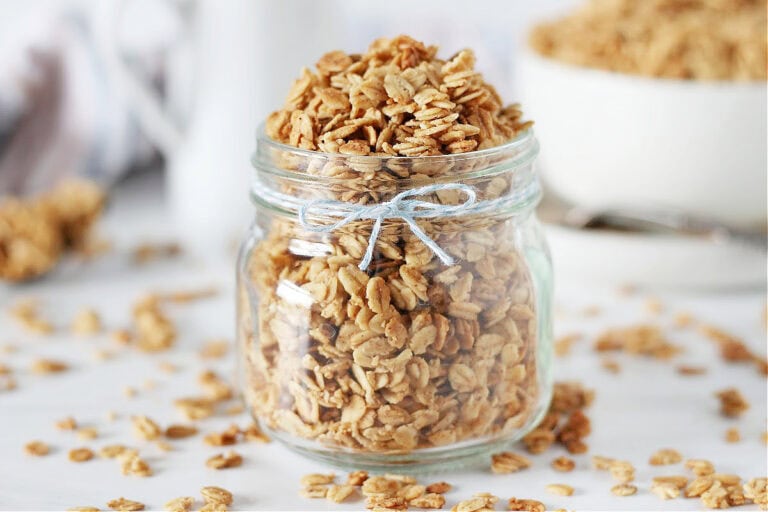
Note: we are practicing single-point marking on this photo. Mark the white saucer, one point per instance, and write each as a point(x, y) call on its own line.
point(659, 260)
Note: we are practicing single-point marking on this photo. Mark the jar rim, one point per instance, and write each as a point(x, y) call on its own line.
point(521, 150)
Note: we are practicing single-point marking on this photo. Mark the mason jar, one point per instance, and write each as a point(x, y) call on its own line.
point(395, 311)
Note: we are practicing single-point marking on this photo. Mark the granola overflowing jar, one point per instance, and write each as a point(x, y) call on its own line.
point(394, 310)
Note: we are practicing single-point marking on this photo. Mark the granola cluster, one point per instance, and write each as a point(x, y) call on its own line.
point(687, 39)
point(396, 99)
point(410, 353)
point(34, 233)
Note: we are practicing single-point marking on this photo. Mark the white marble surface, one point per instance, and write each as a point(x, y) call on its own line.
point(645, 407)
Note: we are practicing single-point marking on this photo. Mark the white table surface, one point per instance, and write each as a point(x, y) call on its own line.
point(645, 407)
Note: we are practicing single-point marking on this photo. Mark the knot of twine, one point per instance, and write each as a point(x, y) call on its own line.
point(402, 206)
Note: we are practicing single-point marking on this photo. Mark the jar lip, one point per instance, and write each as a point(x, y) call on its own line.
point(522, 149)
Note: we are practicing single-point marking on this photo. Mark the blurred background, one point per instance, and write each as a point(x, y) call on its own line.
point(101, 89)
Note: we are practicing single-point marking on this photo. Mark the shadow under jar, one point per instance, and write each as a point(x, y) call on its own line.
point(401, 354)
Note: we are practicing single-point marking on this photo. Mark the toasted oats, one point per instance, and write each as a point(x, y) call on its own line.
point(439, 488)
point(508, 462)
point(622, 471)
point(213, 494)
point(87, 322)
point(732, 435)
point(185, 296)
point(177, 431)
point(113, 450)
point(129, 391)
point(559, 489)
point(430, 500)
point(314, 491)
point(340, 493)
point(602, 463)
point(121, 336)
point(563, 464)
point(195, 408)
point(644, 340)
point(679, 481)
point(698, 486)
point(214, 349)
point(225, 438)
point(756, 490)
point(254, 433)
point(135, 466)
point(146, 252)
point(716, 496)
point(624, 489)
point(80, 454)
point(664, 457)
point(146, 429)
point(357, 478)
point(732, 403)
point(525, 505)
point(691, 370)
point(164, 445)
point(317, 479)
point(224, 461)
point(665, 491)
point(700, 467)
point(214, 507)
point(37, 448)
point(154, 330)
point(45, 366)
point(122, 504)
point(87, 433)
point(181, 504)
point(610, 365)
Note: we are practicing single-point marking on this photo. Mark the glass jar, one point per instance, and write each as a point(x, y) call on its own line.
point(395, 311)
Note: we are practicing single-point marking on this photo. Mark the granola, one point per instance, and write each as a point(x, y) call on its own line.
point(410, 353)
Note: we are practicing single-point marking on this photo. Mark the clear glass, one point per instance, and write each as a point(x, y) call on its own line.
point(410, 363)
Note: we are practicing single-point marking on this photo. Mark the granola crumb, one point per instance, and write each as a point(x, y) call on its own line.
point(37, 448)
point(146, 429)
point(224, 461)
point(664, 457)
point(610, 365)
point(732, 403)
point(317, 479)
point(80, 454)
point(563, 345)
point(508, 462)
point(213, 494)
point(123, 504)
point(87, 433)
point(43, 366)
point(700, 467)
point(559, 489)
point(121, 336)
point(732, 435)
point(439, 487)
point(215, 349)
point(683, 320)
point(642, 340)
point(525, 505)
point(357, 478)
point(87, 322)
point(691, 370)
point(111, 416)
point(133, 465)
point(181, 504)
point(624, 489)
point(341, 493)
point(622, 471)
point(129, 391)
point(178, 431)
point(665, 490)
point(563, 464)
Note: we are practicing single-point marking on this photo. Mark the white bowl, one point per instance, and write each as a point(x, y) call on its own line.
point(609, 139)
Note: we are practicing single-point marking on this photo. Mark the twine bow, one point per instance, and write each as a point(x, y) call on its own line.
point(402, 206)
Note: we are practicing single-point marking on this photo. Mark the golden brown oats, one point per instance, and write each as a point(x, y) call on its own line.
point(195, 408)
point(559, 489)
point(113, 450)
point(677, 480)
point(45, 366)
point(121, 336)
point(732, 403)
point(214, 507)
point(213, 494)
point(177, 431)
point(7, 383)
point(700, 467)
point(317, 479)
point(254, 433)
point(756, 490)
point(622, 471)
point(164, 445)
point(665, 490)
point(341, 493)
point(80, 454)
point(683, 320)
point(563, 464)
point(691, 370)
point(314, 491)
point(602, 463)
point(716, 496)
point(430, 500)
point(525, 505)
point(508, 462)
point(146, 429)
point(357, 477)
point(181, 504)
point(439, 488)
point(214, 349)
point(732, 435)
point(129, 391)
point(610, 365)
point(133, 465)
point(146, 252)
point(664, 457)
point(225, 438)
point(698, 486)
point(154, 330)
point(122, 504)
point(86, 322)
point(563, 345)
point(26, 313)
point(37, 448)
point(624, 489)
point(87, 433)
point(223, 461)
point(645, 340)
point(234, 409)
point(214, 386)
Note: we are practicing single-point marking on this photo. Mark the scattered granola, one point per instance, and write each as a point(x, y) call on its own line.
point(80, 454)
point(87, 322)
point(67, 423)
point(732, 403)
point(146, 429)
point(700, 467)
point(665, 490)
point(698, 40)
point(123, 504)
point(568, 400)
point(624, 489)
point(177, 431)
point(665, 456)
point(37, 448)
point(181, 504)
point(46, 366)
point(87, 433)
point(525, 505)
point(756, 490)
point(27, 313)
point(644, 340)
point(562, 345)
point(732, 435)
point(213, 494)
point(133, 465)
point(508, 462)
point(559, 489)
point(154, 330)
point(563, 464)
point(732, 349)
point(146, 252)
point(225, 460)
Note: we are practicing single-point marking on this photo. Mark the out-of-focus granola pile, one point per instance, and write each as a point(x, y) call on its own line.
point(34, 233)
point(410, 353)
point(688, 39)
